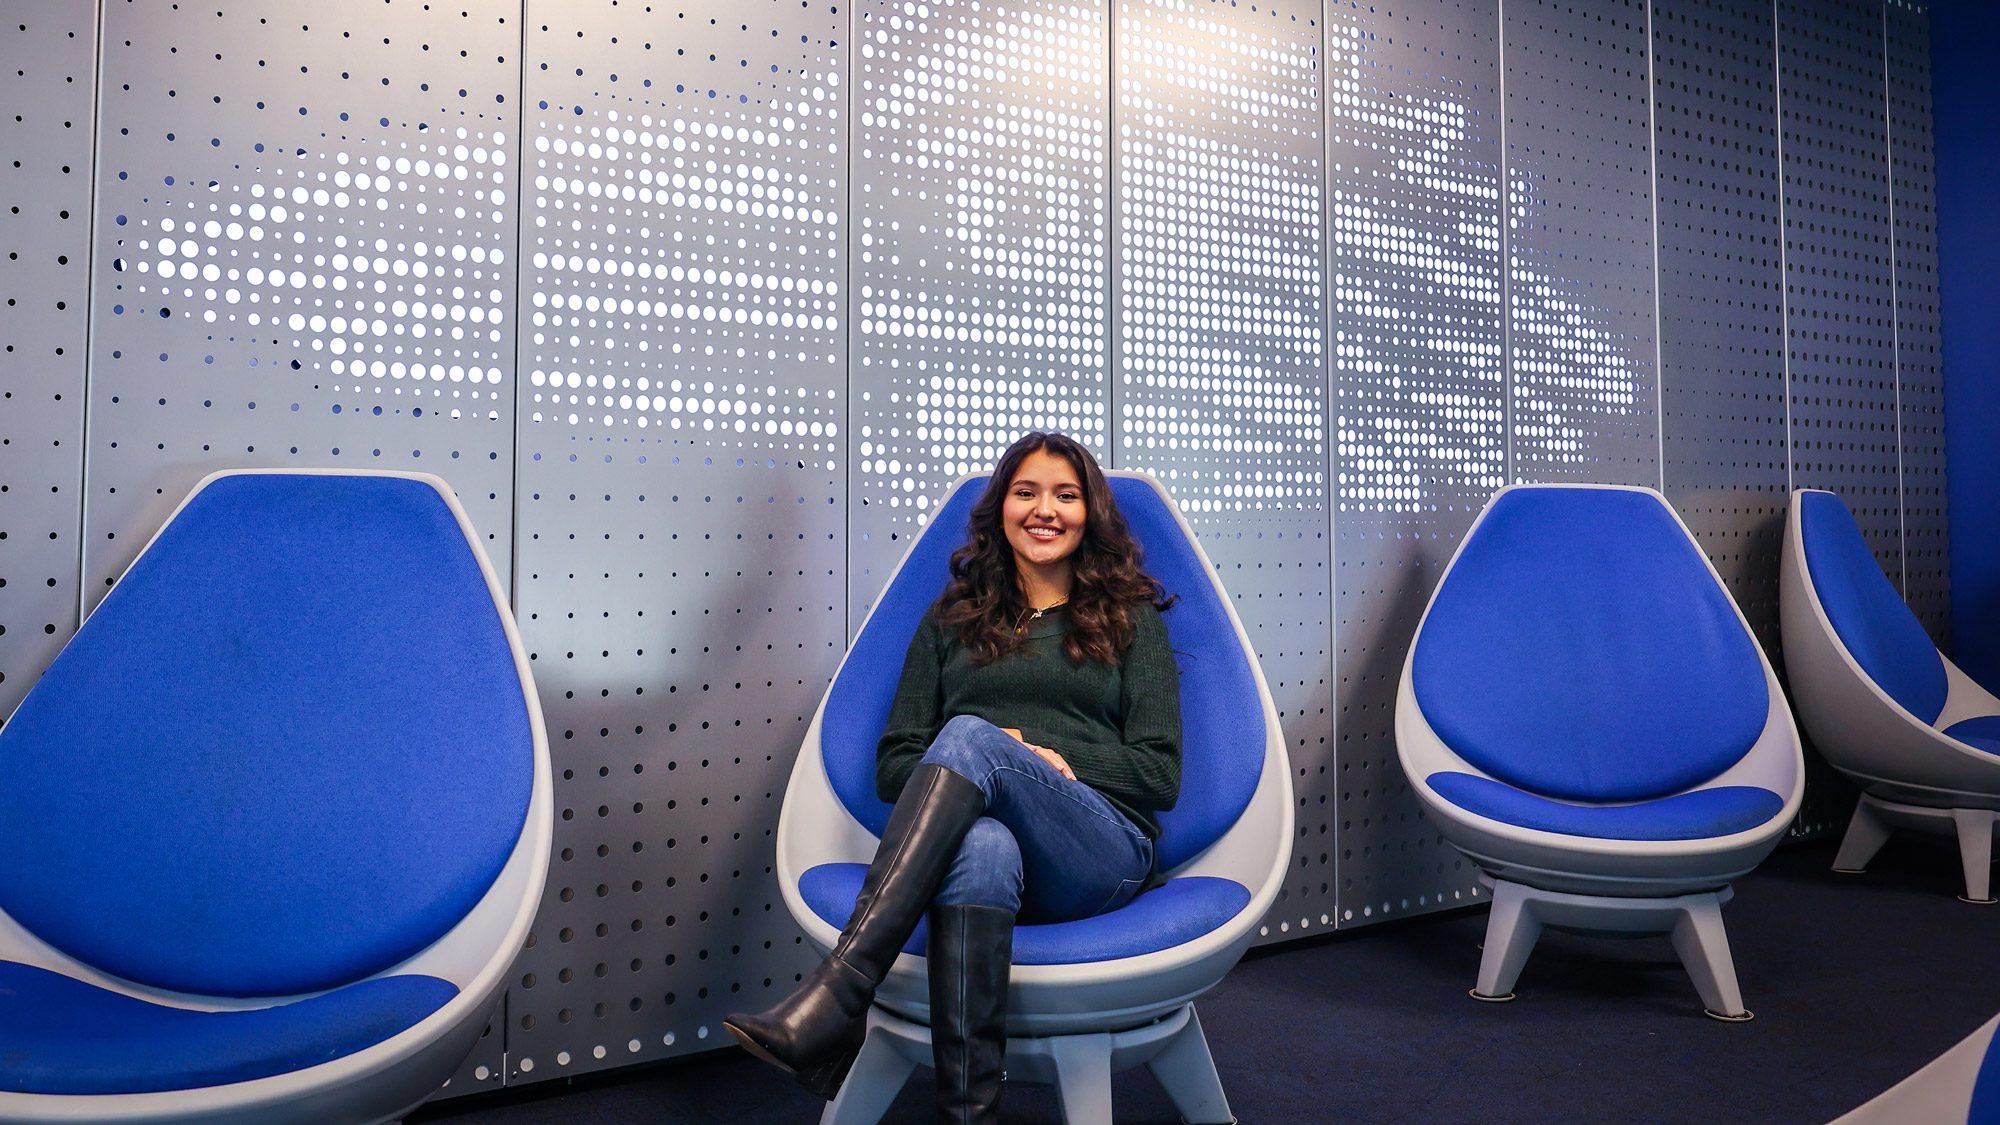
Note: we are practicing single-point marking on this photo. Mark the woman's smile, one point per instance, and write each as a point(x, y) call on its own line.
point(1043, 509)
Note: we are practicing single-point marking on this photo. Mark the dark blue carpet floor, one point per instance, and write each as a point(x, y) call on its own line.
point(1856, 981)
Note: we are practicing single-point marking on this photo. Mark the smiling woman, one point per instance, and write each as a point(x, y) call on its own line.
point(1033, 740)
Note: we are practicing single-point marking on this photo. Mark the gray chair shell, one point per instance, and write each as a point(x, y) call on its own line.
point(1585, 714)
point(1878, 699)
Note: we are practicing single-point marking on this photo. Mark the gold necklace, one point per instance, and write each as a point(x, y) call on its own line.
point(1035, 614)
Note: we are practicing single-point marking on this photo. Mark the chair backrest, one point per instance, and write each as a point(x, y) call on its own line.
point(1867, 613)
point(1580, 647)
point(290, 749)
point(1222, 718)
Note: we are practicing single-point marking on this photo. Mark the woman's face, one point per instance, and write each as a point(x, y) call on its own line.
point(1044, 513)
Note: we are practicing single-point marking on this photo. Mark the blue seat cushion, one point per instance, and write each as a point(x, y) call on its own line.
point(63, 1036)
point(1169, 915)
point(1701, 815)
point(1580, 648)
point(1985, 1106)
point(1982, 733)
point(289, 750)
point(1222, 713)
point(1866, 612)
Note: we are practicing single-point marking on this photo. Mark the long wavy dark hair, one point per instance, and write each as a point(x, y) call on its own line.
point(983, 601)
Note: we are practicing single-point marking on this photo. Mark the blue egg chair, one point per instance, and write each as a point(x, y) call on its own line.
point(1880, 702)
point(274, 824)
point(1585, 713)
point(1103, 994)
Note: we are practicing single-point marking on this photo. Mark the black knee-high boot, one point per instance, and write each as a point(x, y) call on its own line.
point(814, 1033)
point(971, 952)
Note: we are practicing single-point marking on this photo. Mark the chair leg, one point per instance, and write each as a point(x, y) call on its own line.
point(1866, 833)
point(1975, 851)
point(1511, 932)
point(878, 1075)
point(1187, 1073)
point(1083, 1077)
point(1703, 946)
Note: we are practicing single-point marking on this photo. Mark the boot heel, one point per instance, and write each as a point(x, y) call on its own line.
point(825, 1080)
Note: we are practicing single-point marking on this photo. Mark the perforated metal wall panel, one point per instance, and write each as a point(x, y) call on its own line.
point(981, 283)
point(1220, 331)
point(1413, 197)
point(681, 501)
point(1838, 273)
point(48, 55)
point(1295, 260)
point(304, 245)
point(1722, 313)
point(1839, 291)
point(1919, 366)
point(1581, 348)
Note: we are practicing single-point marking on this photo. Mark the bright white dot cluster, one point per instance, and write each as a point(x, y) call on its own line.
point(1415, 285)
point(412, 305)
point(980, 267)
point(685, 269)
point(1221, 293)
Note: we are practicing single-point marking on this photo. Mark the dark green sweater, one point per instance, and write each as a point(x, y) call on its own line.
point(1118, 727)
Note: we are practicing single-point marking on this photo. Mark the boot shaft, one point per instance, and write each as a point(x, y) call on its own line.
point(970, 956)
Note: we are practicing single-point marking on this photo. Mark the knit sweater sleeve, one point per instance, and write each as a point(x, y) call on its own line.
point(1144, 769)
point(914, 716)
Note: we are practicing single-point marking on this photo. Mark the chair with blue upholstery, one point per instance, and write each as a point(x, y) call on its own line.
point(1880, 702)
point(1586, 714)
point(274, 824)
point(1103, 994)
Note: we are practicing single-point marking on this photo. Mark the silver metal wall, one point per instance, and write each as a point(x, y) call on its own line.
point(1919, 364)
point(1583, 395)
point(701, 331)
point(680, 502)
point(48, 60)
point(303, 255)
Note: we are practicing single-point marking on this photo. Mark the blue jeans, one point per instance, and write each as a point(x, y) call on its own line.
point(1048, 849)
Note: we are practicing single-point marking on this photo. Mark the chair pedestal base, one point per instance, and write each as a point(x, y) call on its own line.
point(1520, 913)
point(1079, 1066)
point(1874, 819)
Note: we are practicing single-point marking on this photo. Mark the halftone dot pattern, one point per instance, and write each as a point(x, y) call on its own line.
point(1838, 269)
point(1583, 399)
point(681, 503)
point(1218, 231)
point(1219, 389)
point(1722, 313)
point(1413, 202)
point(1919, 367)
point(46, 63)
point(655, 308)
point(1163, 226)
point(304, 255)
point(979, 259)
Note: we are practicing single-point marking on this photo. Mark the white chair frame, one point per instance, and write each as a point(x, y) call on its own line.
point(1542, 879)
point(1913, 775)
point(1072, 1025)
point(378, 1083)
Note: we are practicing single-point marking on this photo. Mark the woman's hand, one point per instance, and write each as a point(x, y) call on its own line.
point(1054, 759)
